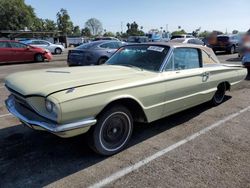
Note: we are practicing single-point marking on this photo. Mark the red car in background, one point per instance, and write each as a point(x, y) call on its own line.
point(14, 51)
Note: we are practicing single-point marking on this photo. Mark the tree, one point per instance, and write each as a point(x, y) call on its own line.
point(86, 32)
point(49, 25)
point(15, 15)
point(204, 34)
point(178, 32)
point(38, 25)
point(108, 34)
point(94, 25)
point(64, 22)
point(133, 29)
point(76, 31)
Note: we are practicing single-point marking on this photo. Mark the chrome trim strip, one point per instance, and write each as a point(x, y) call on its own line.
point(51, 127)
point(165, 62)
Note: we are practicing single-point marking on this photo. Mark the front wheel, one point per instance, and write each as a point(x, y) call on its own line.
point(112, 131)
point(39, 58)
point(219, 94)
point(232, 50)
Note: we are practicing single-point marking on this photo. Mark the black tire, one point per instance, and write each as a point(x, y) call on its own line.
point(39, 58)
point(58, 51)
point(232, 50)
point(112, 132)
point(219, 95)
point(102, 60)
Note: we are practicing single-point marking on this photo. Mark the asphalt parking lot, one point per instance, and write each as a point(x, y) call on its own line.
point(201, 147)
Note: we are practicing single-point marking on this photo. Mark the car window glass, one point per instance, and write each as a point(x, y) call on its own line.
point(17, 45)
point(191, 41)
point(109, 45)
point(197, 41)
point(116, 45)
point(170, 64)
point(143, 56)
point(35, 42)
point(184, 58)
point(206, 59)
point(43, 42)
point(4, 45)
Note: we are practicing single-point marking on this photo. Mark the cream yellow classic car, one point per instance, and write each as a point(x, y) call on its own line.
point(139, 83)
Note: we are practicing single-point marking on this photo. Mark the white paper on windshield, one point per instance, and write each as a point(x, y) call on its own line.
point(156, 48)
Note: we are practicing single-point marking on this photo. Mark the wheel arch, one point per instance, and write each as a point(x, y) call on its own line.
point(131, 104)
point(227, 85)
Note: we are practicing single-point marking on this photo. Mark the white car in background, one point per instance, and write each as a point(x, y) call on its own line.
point(188, 41)
point(53, 48)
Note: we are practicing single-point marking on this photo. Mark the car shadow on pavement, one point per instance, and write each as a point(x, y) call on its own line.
point(35, 159)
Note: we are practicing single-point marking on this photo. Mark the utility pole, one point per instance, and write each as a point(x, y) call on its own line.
point(122, 27)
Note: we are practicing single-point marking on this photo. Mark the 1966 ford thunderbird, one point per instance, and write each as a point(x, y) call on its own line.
point(140, 82)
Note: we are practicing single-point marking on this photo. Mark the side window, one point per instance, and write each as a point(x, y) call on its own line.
point(116, 45)
point(43, 42)
point(199, 42)
point(35, 42)
point(184, 58)
point(17, 45)
point(4, 45)
point(191, 41)
point(206, 59)
point(108, 45)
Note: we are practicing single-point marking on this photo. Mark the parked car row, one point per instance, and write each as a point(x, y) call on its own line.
point(14, 51)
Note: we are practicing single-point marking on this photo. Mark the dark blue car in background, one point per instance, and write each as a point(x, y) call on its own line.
point(94, 53)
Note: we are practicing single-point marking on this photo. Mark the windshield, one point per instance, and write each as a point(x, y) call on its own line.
point(148, 57)
point(223, 38)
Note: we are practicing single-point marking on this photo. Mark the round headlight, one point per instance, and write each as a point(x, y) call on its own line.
point(49, 106)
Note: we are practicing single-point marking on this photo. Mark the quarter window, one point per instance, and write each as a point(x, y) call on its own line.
point(206, 59)
point(184, 58)
point(17, 45)
point(4, 45)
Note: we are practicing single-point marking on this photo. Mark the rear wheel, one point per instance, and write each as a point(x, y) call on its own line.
point(102, 60)
point(219, 95)
point(112, 131)
point(39, 58)
point(58, 51)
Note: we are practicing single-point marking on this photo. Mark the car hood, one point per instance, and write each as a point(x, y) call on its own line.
point(48, 81)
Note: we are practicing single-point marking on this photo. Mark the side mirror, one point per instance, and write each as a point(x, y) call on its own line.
point(27, 47)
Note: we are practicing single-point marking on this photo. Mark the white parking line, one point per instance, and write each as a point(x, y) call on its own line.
point(2, 87)
point(145, 161)
point(4, 115)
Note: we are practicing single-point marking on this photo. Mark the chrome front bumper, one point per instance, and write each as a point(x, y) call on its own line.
point(34, 121)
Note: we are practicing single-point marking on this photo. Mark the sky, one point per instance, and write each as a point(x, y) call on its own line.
point(222, 15)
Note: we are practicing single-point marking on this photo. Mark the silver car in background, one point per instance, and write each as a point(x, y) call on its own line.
point(188, 41)
point(53, 48)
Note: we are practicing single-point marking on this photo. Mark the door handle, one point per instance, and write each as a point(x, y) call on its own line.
point(205, 76)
